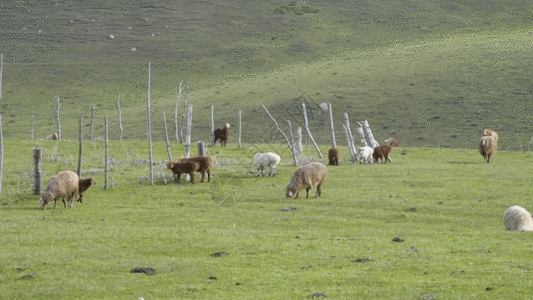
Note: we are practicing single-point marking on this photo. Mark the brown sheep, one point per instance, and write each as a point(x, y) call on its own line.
point(488, 132)
point(84, 184)
point(307, 176)
point(222, 134)
point(333, 157)
point(487, 147)
point(393, 141)
point(54, 136)
point(188, 167)
point(382, 152)
point(206, 163)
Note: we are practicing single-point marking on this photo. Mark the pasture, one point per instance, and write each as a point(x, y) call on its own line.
point(445, 204)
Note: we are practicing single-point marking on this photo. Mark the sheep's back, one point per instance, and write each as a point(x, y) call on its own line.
point(62, 184)
point(488, 145)
point(518, 218)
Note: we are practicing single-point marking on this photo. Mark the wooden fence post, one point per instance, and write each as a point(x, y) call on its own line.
point(1, 154)
point(92, 122)
point(294, 154)
point(188, 135)
point(212, 133)
point(309, 131)
point(298, 142)
point(371, 139)
point(81, 149)
point(166, 137)
point(275, 122)
point(150, 126)
point(119, 118)
point(240, 128)
point(106, 175)
point(37, 170)
point(331, 128)
point(1, 72)
point(361, 134)
point(32, 126)
point(349, 131)
point(353, 156)
point(201, 148)
point(58, 120)
point(183, 118)
point(176, 113)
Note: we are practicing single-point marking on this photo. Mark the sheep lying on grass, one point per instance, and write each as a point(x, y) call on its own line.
point(64, 185)
point(333, 154)
point(365, 155)
point(382, 152)
point(222, 134)
point(52, 137)
point(488, 132)
point(84, 184)
point(270, 159)
point(307, 176)
point(393, 141)
point(205, 163)
point(517, 218)
point(188, 167)
point(487, 147)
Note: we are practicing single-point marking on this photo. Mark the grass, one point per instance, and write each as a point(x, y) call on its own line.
point(462, 248)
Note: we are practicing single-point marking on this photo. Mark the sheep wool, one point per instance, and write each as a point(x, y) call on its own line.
point(489, 132)
point(382, 152)
point(205, 163)
point(268, 159)
point(487, 147)
point(365, 155)
point(517, 218)
point(64, 185)
point(222, 134)
point(188, 167)
point(307, 176)
point(333, 155)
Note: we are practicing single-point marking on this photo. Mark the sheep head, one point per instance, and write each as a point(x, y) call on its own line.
point(227, 125)
point(170, 164)
point(289, 192)
point(44, 200)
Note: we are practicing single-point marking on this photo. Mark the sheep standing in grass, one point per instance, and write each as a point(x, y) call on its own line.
point(270, 159)
point(84, 184)
point(487, 147)
point(382, 152)
point(488, 132)
point(64, 185)
point(393, 141)
point(365, 155)
point(187, 167)
point(222, 134)
point(333, 155)
point(517, 218)
point(205, 163)
point(307, 176)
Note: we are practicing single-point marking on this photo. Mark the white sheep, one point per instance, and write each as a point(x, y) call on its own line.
point(270, 159)
point(307, 176)
point(517, 218)
point(64, 185)
point(365, 154)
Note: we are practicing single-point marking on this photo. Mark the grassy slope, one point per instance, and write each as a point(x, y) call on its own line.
point(472, 63)
point(88, 251)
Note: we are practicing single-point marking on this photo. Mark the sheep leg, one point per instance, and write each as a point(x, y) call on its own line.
point(386, 157)
point(318, 191)
point(178, 176)
point(307, 189)
point(79, 200)
point(192, 177)
point(55, 205)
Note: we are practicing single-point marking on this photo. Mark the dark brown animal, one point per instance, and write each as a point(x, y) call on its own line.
point(187, 167)
point(84, 185)
point(382, 151)
point(206, 164)
point(487, 147)
point(222, 134)
point(393, 141)
point(333, 154)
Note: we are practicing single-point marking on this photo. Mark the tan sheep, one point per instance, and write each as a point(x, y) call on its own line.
point(487, 147)
point(393, 141)
point(54, 136)
point(517, 218)
point(488, 132)
point(64, 185)
point(307, 176)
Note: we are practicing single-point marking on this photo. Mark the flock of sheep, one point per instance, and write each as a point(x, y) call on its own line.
point(67, 185)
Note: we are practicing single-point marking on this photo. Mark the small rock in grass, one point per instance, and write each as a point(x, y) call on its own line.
point(319, 295)
point(29, 275)
point(288, 208)
point(413, 209)
point(213, 277)
point(397, 239)
point(414, 249)
point(219, 254)
point(429, 296)
point(148, 271)
point(362, 260)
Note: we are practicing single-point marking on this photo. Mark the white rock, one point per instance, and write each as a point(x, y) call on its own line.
point(133, 49)
point(111, 36)
point(323, 106)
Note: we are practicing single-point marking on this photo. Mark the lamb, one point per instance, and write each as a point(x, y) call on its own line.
point(488, 132)
point(307, 176)
point(382, 152)
point(189, 167)
point(205, 163)
point(222, 134)
point(270, 159)
point(54, 136)
point(487, 147)
point(393, 141)
point(84, 184)
point(365, 155)
point(333, 154)
point(63, 185)
point(517, 218)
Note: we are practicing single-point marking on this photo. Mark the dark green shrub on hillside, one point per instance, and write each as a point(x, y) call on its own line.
point(297, 10)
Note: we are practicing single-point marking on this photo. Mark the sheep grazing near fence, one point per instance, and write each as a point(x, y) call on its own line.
point(333, 155)
point(365, 155)
point(307, 176)
point(382, 152)
point(393, 141)
point(54, 136)
point(205, 163)
point(222, 134)
point(188, 167)
point(517, 218)
point(487, 147)
point(62, 186)
point(488, 132)
point(268, 159)
point(84, 184)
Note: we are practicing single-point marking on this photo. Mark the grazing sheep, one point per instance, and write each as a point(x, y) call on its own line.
point(63, 185)
point(382, 152)
point(365, 154)
point(488, 132)
point(270, 159)
point(333, 154)
point(517, 218)
point(84, 184)
point(206, 163)
point(487, 147)
point(52, 137)
point(222, 134)
point(307, 176)
point(188, 167)
point(393, 141)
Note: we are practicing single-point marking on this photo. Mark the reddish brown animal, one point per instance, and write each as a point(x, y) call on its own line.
point(222, 134)
point(206, 164)
point(382, 152)
point(54, 136)
point(487, 147)
point(393, 141)
point(84, 185)
point(333, 154)
point(187, 167)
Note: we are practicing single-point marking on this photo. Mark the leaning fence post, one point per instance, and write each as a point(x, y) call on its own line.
point(188, 135)
point(276, 123)
point(119, 117)
point(1, 72)
point(106, 154)
point(81, 149)
point(32, 125)
point(1, 154)
point(150, 126)
point(294, 154)
point(309, 131)
point(166, 136)
point(183, 118)
point(212, 133)
point(240, 126)
point(331, 128)
point(353, 156)
point(176, 113)
point(37, 171)
point(58, 120)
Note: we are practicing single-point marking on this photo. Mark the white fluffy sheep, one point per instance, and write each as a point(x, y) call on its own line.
point(270, 159)
point(307, 176)
point(517, 218)
point(64, 185)
point(365, 154)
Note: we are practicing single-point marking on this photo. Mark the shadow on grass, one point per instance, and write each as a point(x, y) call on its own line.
point(462, 162)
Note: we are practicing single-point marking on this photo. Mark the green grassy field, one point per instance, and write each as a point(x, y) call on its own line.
point(445, 203)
